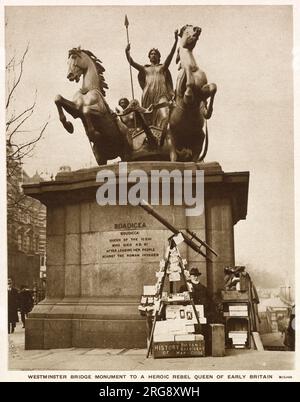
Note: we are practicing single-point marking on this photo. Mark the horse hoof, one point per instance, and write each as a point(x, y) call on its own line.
point(69, 127)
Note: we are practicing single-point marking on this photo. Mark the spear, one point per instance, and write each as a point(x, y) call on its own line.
point(126, 25)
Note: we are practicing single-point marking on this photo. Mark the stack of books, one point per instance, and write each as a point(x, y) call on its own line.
point(166, 330)
point(180, 320)
point(237, 310)
point(239, 339)
point(173, 330)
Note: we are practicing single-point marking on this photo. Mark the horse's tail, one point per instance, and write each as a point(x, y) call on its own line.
point(201, 157)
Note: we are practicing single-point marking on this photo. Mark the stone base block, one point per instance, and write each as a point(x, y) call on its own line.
point(110, 334)
point(85, 324)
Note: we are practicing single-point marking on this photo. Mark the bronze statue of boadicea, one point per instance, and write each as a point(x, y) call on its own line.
point(156, 83)
point(167, 126)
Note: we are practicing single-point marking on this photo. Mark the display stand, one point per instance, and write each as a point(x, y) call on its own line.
point(195, 348)
point(240, 311)
point(158, 311)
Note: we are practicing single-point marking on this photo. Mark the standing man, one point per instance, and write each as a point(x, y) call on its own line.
point(25, 302)
point(13, 303)
point(199, 291)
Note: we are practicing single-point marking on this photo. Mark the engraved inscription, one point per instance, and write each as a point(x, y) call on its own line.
point(132, 245)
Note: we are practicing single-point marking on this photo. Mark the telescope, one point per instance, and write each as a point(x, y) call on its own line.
point(190, 241)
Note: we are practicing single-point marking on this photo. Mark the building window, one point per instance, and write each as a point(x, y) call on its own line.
point(20, 241)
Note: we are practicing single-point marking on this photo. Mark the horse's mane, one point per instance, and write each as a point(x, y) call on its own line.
point(98, 63)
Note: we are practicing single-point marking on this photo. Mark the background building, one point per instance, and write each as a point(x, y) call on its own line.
point(26, 232)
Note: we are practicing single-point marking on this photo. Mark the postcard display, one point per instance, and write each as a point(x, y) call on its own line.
point(176, 318)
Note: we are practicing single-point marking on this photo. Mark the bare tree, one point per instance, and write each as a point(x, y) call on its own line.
point(20, 140)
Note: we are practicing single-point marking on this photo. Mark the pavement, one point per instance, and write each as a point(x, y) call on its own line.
point(135, 359)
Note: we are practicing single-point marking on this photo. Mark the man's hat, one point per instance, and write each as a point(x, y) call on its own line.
point(195, 271)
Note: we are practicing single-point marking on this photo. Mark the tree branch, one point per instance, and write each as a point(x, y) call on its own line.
point(18, 79)
point(19, 147)
point(13, 119)
point(31, 143)
point(18, 126)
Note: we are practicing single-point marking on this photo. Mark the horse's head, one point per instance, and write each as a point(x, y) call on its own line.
point(189, 36)
point(82, 60)
point(76, 64)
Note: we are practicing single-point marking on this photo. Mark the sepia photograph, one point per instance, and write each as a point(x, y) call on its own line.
point(148, 192)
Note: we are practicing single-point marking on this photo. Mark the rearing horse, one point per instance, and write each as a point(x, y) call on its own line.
point(108, 135)
point(188, 116)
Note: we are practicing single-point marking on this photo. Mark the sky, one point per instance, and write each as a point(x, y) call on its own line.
point(245, 50)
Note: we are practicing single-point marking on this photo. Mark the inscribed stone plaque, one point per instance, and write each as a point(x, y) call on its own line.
point(121, 246)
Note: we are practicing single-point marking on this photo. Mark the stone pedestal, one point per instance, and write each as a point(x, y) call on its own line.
point(99, 257)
